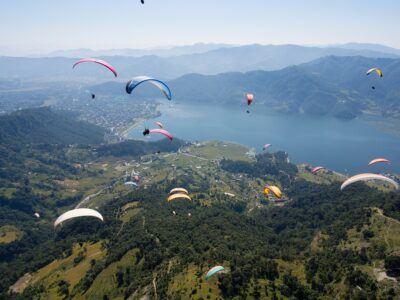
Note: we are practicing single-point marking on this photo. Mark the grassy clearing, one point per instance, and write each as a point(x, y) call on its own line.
point(9, 234)
point(129, 210)
point(190, 284)
point(295, 268)
point(105, 283)
point(219, 150)
point(385, 229)
point(321, 177)
point(65, 269)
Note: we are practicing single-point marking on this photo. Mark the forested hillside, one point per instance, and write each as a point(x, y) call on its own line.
point(319, 244)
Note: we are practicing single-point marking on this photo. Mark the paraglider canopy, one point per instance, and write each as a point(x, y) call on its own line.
point(178, 196)
point(368, 177)
point(250, 98)
point(163, 132)
point(377, 71)
point(97, 61)
point(274, 190)
point(76, 213)
point(159, 124)
point(179, 190)
point(214, 271)
point(229, 194)
point(316, 169)
point(266, 146)
point(134, 82)
point(379, 160)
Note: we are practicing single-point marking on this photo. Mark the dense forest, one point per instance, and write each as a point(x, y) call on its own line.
point(261, 248)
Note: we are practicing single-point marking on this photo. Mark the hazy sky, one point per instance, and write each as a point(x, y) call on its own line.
point(28, 26)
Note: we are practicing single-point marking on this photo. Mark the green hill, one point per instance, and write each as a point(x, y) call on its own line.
point(44, 126)
point(312, 247)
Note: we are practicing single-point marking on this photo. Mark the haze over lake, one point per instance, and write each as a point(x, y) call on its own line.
point(343, 146)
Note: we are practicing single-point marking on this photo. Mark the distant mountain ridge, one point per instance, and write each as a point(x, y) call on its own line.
point(220, 60)
point(331, 85)
point(162, 52)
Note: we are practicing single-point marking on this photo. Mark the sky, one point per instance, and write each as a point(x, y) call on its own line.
point(41, 26)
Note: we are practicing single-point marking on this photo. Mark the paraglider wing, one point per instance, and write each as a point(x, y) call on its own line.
point(229, 194)
point(159, 124)
point(133, 83)
point(316, 169)
point(274, 189)
point(367, 177)
point(379, 160)
point(76, 213)
point(266, 146)
point(178, 190)
point(250, 98)
point(97, 61)
point(377, 70)
point(130, 183)
point(162, 131)
point(178, 196)
point(214, 271)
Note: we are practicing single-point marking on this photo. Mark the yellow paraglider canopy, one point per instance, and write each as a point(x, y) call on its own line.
point(377, 70)
point(179, 196)
point(274, 190)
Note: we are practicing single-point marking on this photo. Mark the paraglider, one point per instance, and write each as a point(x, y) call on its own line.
point(146, 131)
point(97, 61)
point(142, 1)
point(250, 98)
point(93, 96)
point(37, 215)
point(178, 190)
point(133, 83)
point(316, 169)
point(367, 177)
point(159, 124)
point(163, 132)
point(274, 190)
point(213, 271)
point(76, 213)
point(131, 183)
point(178, 196)
point(266, 146)
point(377, 71)
point(229, 194)
point(379, 160)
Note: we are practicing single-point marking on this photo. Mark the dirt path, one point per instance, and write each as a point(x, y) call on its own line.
point(88, 198)
point(155, 286)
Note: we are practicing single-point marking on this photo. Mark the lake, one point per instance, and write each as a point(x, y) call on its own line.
point(343, 146)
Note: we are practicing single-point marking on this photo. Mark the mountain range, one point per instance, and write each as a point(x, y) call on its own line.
point(225, 59)
point(330, 85)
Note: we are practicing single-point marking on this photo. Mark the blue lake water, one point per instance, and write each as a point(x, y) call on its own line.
point(343, 146)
